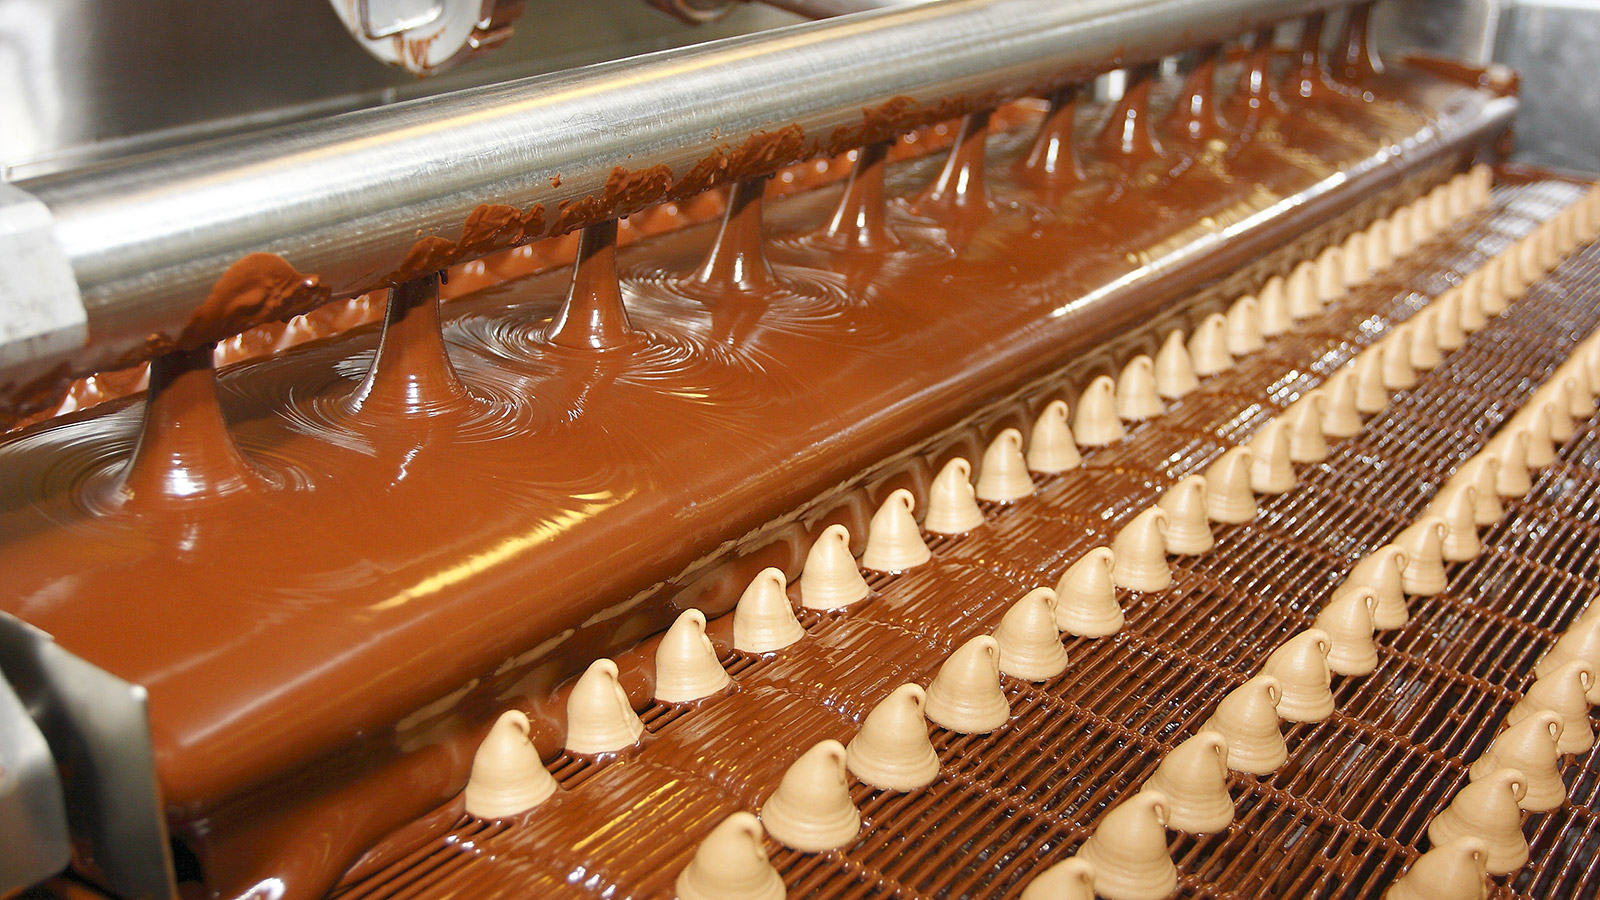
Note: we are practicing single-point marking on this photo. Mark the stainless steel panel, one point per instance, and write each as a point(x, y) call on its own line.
point(1556, 48)
point(33, 817)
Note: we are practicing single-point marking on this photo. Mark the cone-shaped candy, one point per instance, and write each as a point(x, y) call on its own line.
point(965, 695)
point(1565, 693)
point(1004, 476)
point(1481, 471)
point(1208, 346)
point(1096, 423)
point(1229, 498)
point(1371, 395)
point(1396, 352)
point(811, 811)
point(1580, 399)
point(830, 579)
point(763, 621)
point(1330, 274)
point(1423, 541)
point(1379, 256)
point(1453, 871)
point(1423, 348)
point(1030, 645)
point(1270, 469)
point(1188, 532)
point(1511, 449)
point(1139, 553)
point(1491, 296)
point(1579, 643)
point(1302, 287)
point(1400, 235)
point(1381, 572)
point(952, 501)
point(1487, 810)
point(1051, 447)
point(1137, 398)
point(1460, 197)
point(508, 778)
point(892, 752)
point(1448, 334)
point(1070, 879)
point(1528, 746)
point(1558, 393)
point(1472, 316)
point(1353, 256)
point(1304, 421)
point(1541, 444)
point(1272, 302)
point(1422, 229)
point(1175, 376)
point(1301, 666)
point(1247, 718)
point(1347, 620)
point(1457, 506)
point(1244, 327)
point(599, 717)
point(893, 542)
point(1129, 850)
point(686, 663)
point(1341, 417)
point(1194, 776)
point(1086, 597)
point(731, 864)
point(1439, 208)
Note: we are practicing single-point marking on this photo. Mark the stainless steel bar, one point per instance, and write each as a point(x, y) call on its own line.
point(346, 198)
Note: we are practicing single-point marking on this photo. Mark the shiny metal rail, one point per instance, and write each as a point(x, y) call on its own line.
point(346, 198)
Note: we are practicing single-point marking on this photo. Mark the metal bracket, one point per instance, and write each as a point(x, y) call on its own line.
point(32, 815)
point(99, 732)
point(43, 312)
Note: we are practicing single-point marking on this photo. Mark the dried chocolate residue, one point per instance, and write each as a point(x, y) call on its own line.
point(626, 192)
point(261, 287)
point(427, 255)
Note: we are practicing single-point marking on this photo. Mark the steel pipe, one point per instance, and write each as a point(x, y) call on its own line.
point(347, 198)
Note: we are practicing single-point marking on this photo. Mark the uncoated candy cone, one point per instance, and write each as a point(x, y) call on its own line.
point(1096, 423)
point(1051, 447)
point(1004, 477)
point(1330, 274)
point(1457, 506)
point(1030, 646)
point(1139, 553)
point(1541, 445)
point(1194, 777)
point(952, 501)
point(1579, 643)
point(1379, 256)
point(893, 542)
point(1372, 396)
point(1247, 719)
point(1137, 398)
point(1423, 345)
point(1511, 449)
point(1175, 375)
point(1487, 810)
point(1271, 471)
point(1304, 420)
point(1395, 350)
point(811, 811)
point(1558, 392)
point(1341, 417)
point(1423, 541)
point(1400, 235)
point(1301, 666)
point(1453, 871)
point(763, 621)
point(1302, 285)
point(1070, 879)
point(892, 752)
point(599, 717)
point(1244, 327)
point(1229, 498)
point(1272, 302)
point(1380, 572)
point(965, 695)
point(1528, 746)
point(1472, 315)
point(1353, 255)
point(686, 664)
point(1565, 693)
point(1208, 346)
point(1086, 597)
point(1129, 850)
point(508, 778)
point(1347, 620)
point(1188, 532)
point(1448, 333)
point(731, 864)
point(1482, 472)
point(830, 579)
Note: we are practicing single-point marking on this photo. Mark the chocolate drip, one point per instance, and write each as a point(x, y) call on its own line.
point(411, 373)
point(860, 221)
point(1255, 98)
point(593, 316)
point(1052, 164)
point(1360, 60)
point(1127, 138)
point(738, 260)
point(185, 452)
point(1309, 80)
point(1194, 118)
point(959, 197)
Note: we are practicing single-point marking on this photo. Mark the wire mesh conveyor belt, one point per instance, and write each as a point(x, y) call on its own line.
point(1348, 811)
